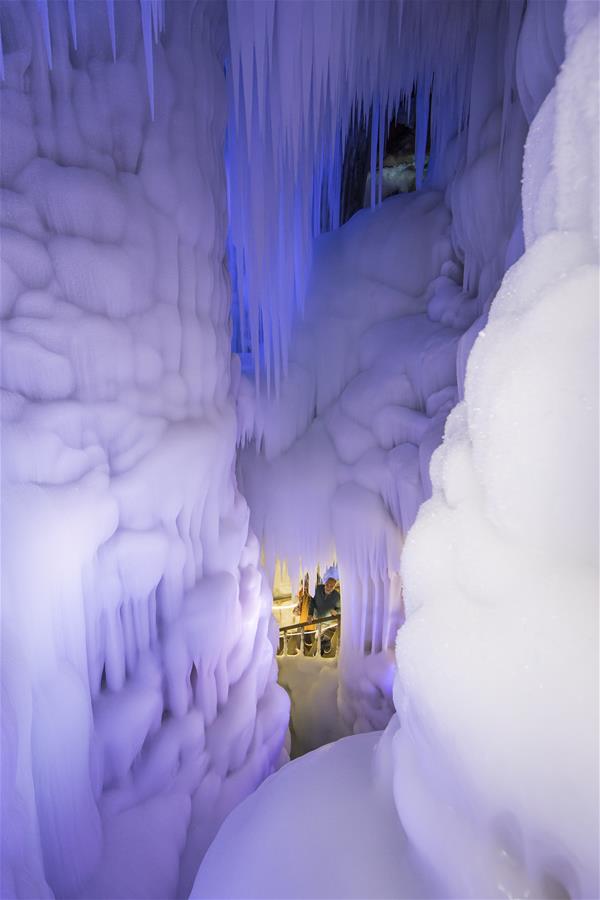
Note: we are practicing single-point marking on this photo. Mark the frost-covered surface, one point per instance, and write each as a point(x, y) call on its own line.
point(139, 701)
point(496, 762)
point(323, 826)
point(394, 302)
point(312, 683)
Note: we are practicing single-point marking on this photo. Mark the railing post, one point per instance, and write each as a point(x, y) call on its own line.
point(285, 643)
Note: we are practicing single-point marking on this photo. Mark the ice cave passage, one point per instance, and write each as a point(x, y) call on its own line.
point(228, 353)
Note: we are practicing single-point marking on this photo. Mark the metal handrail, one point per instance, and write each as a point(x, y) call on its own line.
point(308, 623)
point(316, 627)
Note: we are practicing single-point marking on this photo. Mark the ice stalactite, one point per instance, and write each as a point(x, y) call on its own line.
point(338, 462)
point(152, 13)
point(300, 74)
point(139, 697)
point(73, 23)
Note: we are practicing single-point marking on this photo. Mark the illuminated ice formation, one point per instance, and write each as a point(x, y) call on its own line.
point(139, 702)
point(139, 699)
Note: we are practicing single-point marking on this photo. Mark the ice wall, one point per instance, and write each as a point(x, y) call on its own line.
point(139, 700)
point(496, 756)
point(338, 462)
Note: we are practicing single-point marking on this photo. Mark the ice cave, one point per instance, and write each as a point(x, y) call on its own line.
point(299, 291)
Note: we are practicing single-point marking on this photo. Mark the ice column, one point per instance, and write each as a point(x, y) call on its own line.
point(139, 702)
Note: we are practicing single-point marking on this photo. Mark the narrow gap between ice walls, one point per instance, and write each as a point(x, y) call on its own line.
point(139, 695)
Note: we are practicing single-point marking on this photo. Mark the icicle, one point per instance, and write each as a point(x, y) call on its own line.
point(155, 20)
point(73, 22)
point(110, 10)
point(299, 75)
point(146, 13)
point(422, 114)
point(515, 11)
point(382, 131)
point(246, 16)
point(374, 136)
point(43, 11)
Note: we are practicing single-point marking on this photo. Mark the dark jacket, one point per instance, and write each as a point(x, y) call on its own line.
point(323, 604)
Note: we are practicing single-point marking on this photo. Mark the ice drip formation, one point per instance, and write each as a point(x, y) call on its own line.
point(420, 404)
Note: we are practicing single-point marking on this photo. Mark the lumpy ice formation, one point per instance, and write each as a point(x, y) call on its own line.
point(139, 697)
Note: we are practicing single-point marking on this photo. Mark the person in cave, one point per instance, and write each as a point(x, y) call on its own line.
point(303, 597)
point(326, 602)
point(302, 611)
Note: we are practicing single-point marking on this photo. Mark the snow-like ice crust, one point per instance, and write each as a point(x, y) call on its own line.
point(323, 826)
point(139, 696)
point(496, 760)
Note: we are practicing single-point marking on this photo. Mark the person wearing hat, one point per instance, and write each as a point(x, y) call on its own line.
point(326, 601)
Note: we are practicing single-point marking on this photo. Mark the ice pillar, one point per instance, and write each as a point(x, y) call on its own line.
point(138, 694)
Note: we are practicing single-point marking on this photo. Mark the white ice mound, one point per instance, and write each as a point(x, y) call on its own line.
point(318, 828)
point(496, 777)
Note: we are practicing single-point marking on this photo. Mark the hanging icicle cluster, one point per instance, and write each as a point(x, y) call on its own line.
point(152, 16)
point(301, 74)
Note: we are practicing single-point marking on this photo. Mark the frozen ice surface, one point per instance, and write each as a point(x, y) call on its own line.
point(320, 827)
